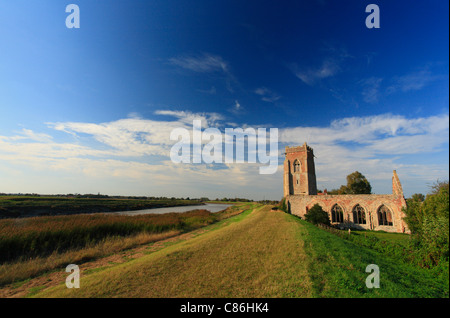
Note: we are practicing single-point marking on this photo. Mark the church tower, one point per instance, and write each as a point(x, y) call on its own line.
point(299, 171)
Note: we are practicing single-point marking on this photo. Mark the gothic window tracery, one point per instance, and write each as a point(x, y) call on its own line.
point(359, 215)
point(384, 216)
point(337, 214)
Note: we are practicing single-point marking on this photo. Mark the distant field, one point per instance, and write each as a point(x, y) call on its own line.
point(26, 206)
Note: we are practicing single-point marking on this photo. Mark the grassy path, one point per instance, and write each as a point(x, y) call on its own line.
point(257, 254)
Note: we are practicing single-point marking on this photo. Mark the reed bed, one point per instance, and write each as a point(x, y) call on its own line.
point(33, 246)
point(41, 236)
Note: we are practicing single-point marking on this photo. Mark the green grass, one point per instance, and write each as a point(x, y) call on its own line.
point(337, 269)
point(236, 259)
point(397, 246)
point(393, 237)
point(34, 290)
point(94, 270)
point(31, 246)
point(258, 254)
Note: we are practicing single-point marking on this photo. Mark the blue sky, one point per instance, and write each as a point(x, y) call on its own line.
point(91, 109)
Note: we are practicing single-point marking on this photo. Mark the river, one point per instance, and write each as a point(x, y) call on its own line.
point(211, 207)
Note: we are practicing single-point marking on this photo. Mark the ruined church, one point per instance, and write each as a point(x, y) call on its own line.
point(357, 211)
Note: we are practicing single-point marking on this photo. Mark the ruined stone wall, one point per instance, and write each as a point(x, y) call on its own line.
point(300, 191)
point(300, 204)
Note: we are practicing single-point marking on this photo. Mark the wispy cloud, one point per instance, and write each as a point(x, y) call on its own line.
point(267, 95)
point(371, 89)
point(310, 76)
point(204, 63)
point(207, 63)
point(237, 106)
point(412, 81)
point(330, 65)
point(372, 132)
point(374, 88)
point(131, 151)
point(237, 109)
point(136, 151)
point(186, 117)
point(28, 134)
point(375, 145)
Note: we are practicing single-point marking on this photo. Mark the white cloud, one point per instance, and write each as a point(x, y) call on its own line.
point(367, 130)
point(27, 134)
point(124, 153)
point(371, 89)
point(329, 66)
point(267, 95)
point(310, 76)
point(412, 81)
point(205, 63)
point(187, 117)
point(237, 109)
point(374, 145)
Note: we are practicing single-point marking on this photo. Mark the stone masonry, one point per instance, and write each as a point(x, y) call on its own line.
point(359, 211)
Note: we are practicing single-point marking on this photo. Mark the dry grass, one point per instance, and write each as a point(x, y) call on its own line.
point(26, 230)
point(21, 270)
point(22, 239)
point(260, 256)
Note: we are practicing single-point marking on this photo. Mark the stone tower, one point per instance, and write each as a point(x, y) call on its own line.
point(299, 171)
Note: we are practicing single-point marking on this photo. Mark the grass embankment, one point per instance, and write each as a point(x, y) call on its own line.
point(26, 206)
point(393, 237)
point(252, 255)
point(337, 269)
point(397, 246)
point(258, 254)
point(31, 246)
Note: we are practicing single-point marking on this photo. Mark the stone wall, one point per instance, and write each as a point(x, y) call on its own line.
point(300, 204)
point(300, 191)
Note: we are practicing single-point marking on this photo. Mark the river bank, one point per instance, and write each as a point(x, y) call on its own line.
point(29, 206)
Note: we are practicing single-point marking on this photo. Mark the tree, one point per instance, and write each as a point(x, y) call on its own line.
point(437, 201)
point(356, 184)
point(418, 197)
point(413, 213)
point(343, 190)
point(316, 215)
point(283, 206)
point(429, 224)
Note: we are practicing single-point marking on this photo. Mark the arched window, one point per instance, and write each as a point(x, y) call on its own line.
point(359, 215)
point(384, 216)
point(296, 166)
point(337, 214)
